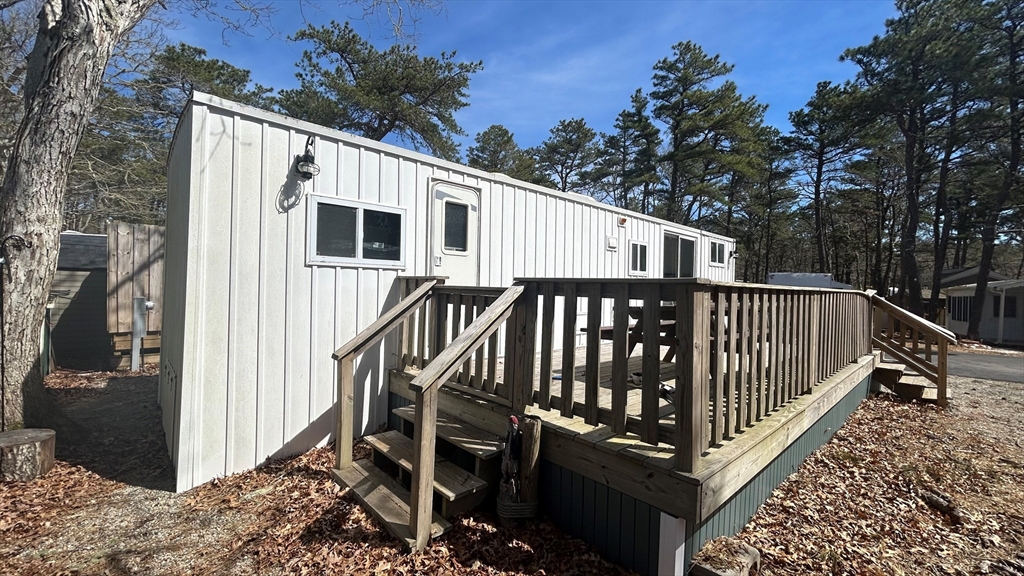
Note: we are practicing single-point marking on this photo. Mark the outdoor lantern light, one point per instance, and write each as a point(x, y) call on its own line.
point(306, 167)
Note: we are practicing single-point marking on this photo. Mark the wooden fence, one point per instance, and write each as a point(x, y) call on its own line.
point(135, 267)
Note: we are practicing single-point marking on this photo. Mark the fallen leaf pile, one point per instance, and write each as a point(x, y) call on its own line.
point(304, 522)
point(855, 506)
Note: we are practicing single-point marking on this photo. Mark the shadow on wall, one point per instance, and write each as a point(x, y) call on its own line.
point(290, 194)
point(368, 373)
point(79, 337)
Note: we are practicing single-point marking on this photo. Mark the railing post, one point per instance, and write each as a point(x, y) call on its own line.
point(424, 437)
point(404, 288)
point(693, 325)
point(526, 345)
point(343, 434)
point(941, 372)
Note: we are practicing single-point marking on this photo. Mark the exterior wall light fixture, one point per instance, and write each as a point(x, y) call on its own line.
point(307, 167)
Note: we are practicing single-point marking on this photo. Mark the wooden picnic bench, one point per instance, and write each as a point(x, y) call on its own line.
point(666, 329)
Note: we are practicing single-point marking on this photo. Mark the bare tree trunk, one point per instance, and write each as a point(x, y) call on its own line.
point(911, 279)
point(1011, 177)
point(819, 225)
point(942, 220)
point(65, 71)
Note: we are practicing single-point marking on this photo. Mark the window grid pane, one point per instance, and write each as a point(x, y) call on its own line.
point(456, 227)
point(335, 230)
point(382, 235)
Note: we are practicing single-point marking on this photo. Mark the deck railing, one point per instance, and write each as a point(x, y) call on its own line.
point(741, 351)
point(902, 335)
point(736, 353)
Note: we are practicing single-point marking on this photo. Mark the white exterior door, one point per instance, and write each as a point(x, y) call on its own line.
point(455, 250)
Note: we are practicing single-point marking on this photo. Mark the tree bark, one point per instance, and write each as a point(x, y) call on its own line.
point(65, 71)
point(908, 239)
point(1011, 176)
point(819, 225)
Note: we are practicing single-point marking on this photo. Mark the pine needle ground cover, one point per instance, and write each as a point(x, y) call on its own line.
point(853, 508)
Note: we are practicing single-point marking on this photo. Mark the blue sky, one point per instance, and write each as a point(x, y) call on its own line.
point(547, 61)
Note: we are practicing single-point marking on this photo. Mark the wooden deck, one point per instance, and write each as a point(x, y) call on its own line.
point(755, 367)
point(642, 470)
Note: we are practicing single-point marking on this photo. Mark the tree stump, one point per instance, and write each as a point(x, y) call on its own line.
point(26, 454)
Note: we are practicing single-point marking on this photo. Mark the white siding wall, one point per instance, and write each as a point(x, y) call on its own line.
point(252, 328)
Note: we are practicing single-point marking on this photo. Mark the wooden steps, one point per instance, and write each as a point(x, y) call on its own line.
point(385, 499)
point(450, 481)
point(904, 383)
point(473, 440)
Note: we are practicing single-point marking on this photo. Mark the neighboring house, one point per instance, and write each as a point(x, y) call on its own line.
point(78, 303)
point(1002, 319)
point(964, 276)
point(269, 273)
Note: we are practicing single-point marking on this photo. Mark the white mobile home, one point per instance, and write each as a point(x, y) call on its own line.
point(1001, 318)
point(267, 273)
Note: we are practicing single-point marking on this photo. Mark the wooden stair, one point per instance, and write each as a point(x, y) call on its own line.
point(456, 490)
point(467, 446)
point(385, 499)
point(906, 384)
point(469, 438)
point(458, 486)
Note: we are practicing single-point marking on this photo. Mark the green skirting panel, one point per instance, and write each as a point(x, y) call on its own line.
point(734, 514)
point(622, 529)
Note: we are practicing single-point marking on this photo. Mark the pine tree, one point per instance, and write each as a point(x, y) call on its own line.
point(346, 83)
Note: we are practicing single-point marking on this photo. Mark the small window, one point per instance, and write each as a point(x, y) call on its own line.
point(717, 253)
point(637, 259)
point(345, 232)
point(456, 226)
point(336, 231)
point(1010, 309)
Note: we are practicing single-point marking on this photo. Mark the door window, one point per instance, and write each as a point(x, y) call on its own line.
point(456, 226)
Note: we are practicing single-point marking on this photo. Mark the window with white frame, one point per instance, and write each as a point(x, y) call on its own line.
point(717, 253)
point(637, 258)
point(350, 233)
point(678, 256)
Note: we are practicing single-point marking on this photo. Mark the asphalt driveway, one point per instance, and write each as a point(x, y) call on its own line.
point(987, 366)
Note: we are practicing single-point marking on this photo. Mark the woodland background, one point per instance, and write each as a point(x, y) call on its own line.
point(910, 169)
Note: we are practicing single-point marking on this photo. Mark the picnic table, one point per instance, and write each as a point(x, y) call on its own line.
point(666, 330)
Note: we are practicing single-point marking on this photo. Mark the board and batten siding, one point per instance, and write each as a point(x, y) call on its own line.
point(246, 371)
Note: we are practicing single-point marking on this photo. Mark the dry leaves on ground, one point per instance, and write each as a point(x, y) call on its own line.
point(853, 507)
point(108, 515)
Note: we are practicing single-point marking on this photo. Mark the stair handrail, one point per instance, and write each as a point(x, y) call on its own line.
point(388, 321)
point(426, 386)
point(346, 356)
point(895, 349)
point(445, 364)
point(922, 324)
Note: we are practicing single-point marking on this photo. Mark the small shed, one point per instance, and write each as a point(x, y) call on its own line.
point(78, 303)
point(1002, 320)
